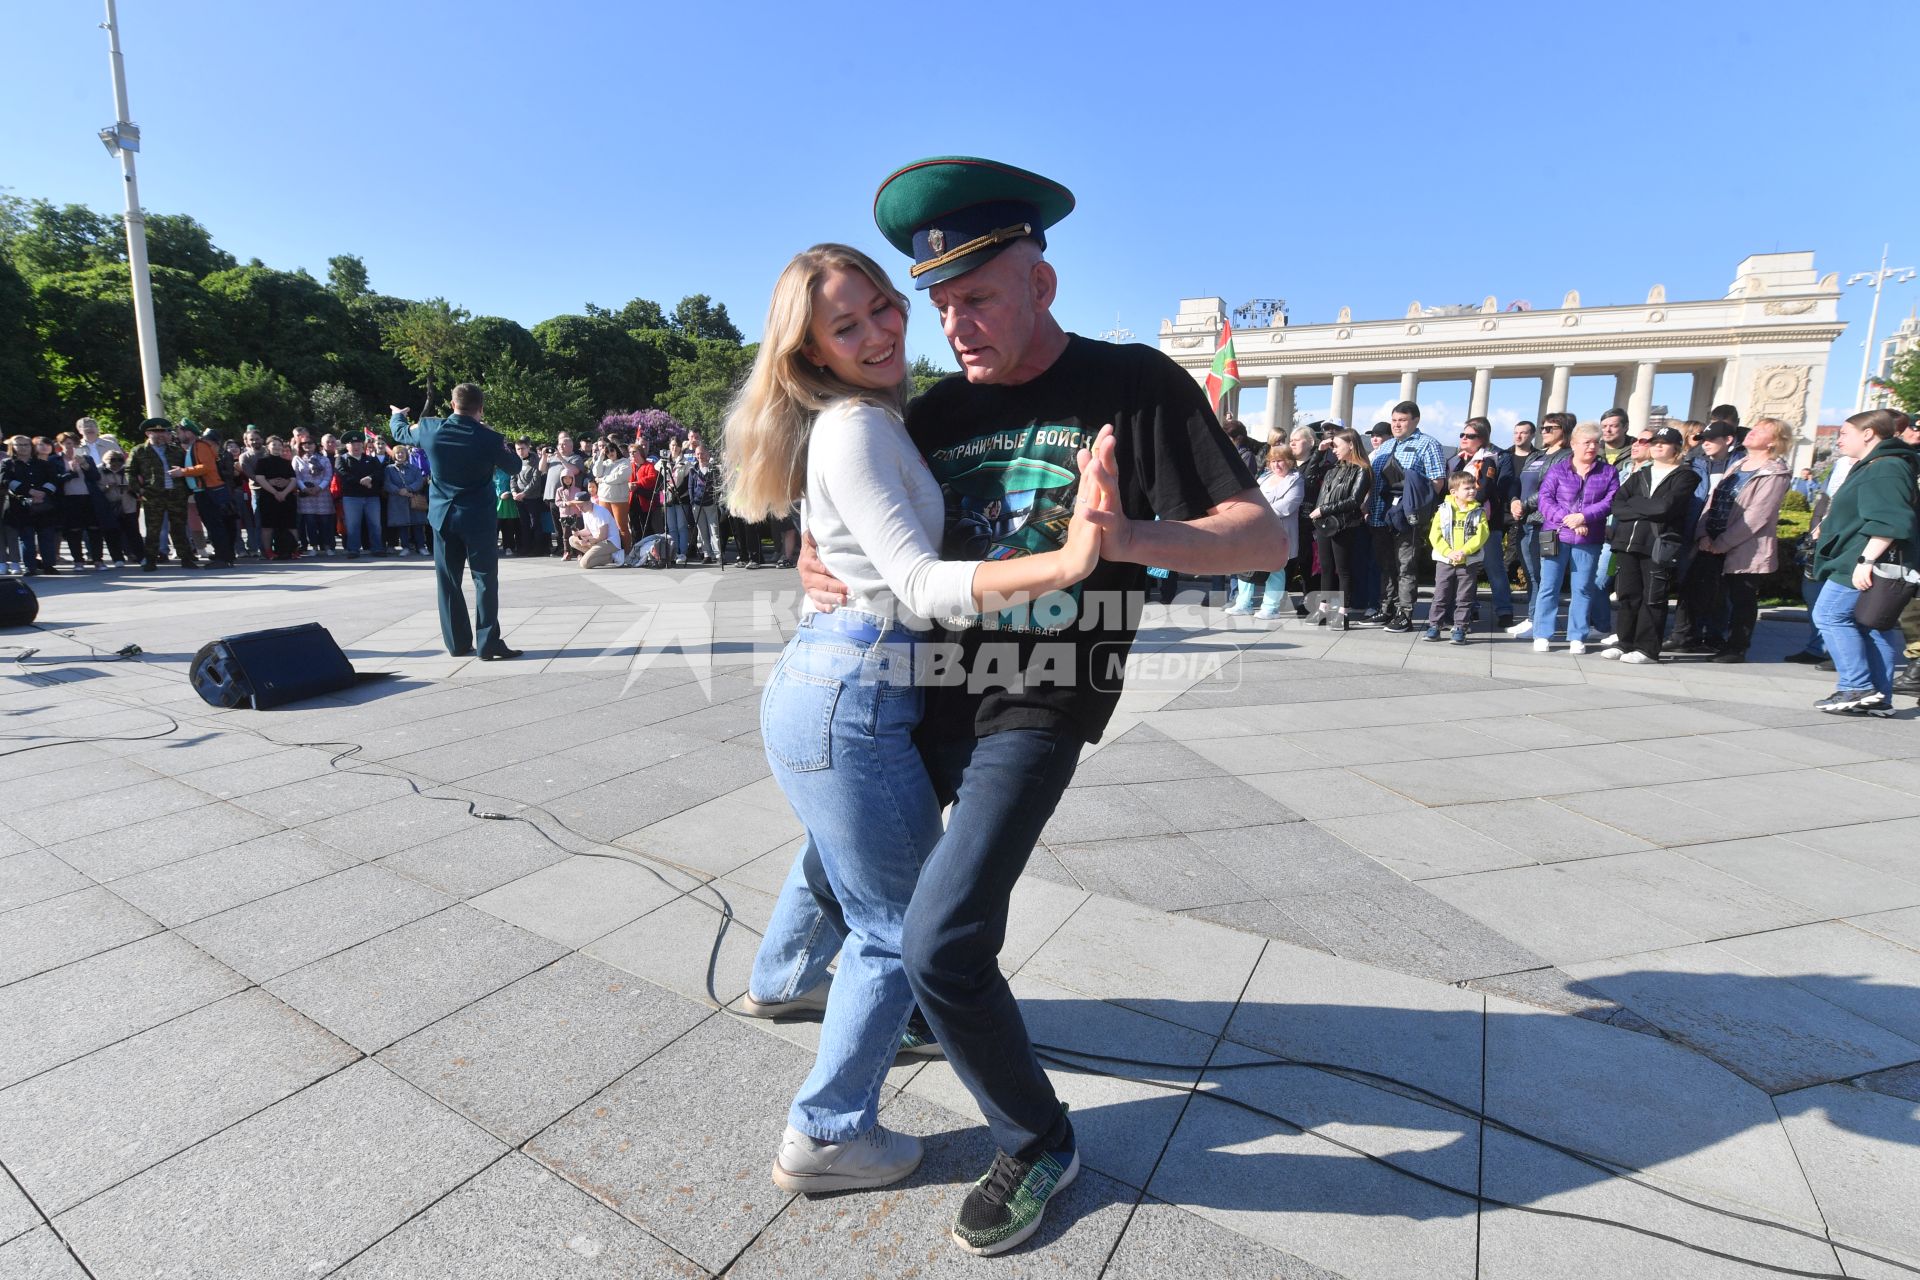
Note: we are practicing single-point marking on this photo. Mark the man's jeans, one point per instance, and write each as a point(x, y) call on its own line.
point(1530, 557)
point(362, 518)
point(1579, 566)
point(838, 719)
point(1003, 788)
point(217, 517)
point(1499, 580)
point(1862, 659)
point(677, 529)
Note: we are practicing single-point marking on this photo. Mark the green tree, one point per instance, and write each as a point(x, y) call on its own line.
point(55, 238)
point(925, 374)
point(178, 240)
point(641, 313)
point(228, 400)
point(698, 316)
point(26, 397)
point(347, 276)
point(494, 337)
point(86, 332)
point(528, 400)
point(430, 339)
point(598, 352)
point(285, 320)
point(699, 389)
point(338, 407)
point(1903, 380)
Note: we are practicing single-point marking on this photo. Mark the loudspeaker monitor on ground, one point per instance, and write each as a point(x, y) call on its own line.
point(265, 669)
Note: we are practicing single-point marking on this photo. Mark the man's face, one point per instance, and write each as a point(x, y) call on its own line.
point(253, 440)
point(330, 443)
point(1613, 430)
point(522, 448)
point(1403, 425)
point(566, 443)
point(354, 448)
point(1523, 435)
point(989, 315)
point(89, 430)
point(1715, 446)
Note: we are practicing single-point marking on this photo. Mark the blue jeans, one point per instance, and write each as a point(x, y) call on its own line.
point(1499, 581)
point(1601, 609)
point(838, 719)
point(1810, 592)
point(362, 518)
point(1862, 659)
point(803, 935)
point(1530, 557)
point(1578, 566)
point(677, 529)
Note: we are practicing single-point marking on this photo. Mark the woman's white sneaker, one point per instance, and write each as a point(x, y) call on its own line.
point(1636, 658)
point(1541, 646)
point(1576, 647)
point(1611, 652)
point(877, 1158)
point(1521, 629)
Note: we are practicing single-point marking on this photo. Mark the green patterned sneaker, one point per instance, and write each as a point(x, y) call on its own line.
point(1005, 1207)
point(918, 1041)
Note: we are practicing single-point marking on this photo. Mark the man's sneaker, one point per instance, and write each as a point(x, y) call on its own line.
point(1576, 646)
point(1848, 699)
point(807, 1002)
point(1521, 629)
point(1238, 611)
point(1612, 652)
point(1399, 625)
point(1459, 635)
point(1431, 633)
point(1365, 620)
point(877, 1158)
point(1005, 1206)
point(1612, 641)
point(1635, 658)
point(917, 1040)
point(1875, 704)
point(1541, 646)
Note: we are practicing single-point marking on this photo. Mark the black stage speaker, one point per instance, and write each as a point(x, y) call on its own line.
point(270, 668)
point(18, 605)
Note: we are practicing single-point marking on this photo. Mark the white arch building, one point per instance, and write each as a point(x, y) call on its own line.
point(1763, 347)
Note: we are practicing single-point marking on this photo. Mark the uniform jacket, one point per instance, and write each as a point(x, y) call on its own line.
point(463, 453)
point(149, 468)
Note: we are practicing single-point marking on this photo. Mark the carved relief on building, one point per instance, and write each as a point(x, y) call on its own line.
point(1797, 307)
point(1780, 391)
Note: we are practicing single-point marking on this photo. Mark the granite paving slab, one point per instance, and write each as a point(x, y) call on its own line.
point(1861, 1153)
point(579, 899)
point(478, 857)
point(724, 834)
point(1264, 918)
point(1903, 925)
point(195, 887)
point(1163, 1240)
point(17, 1214)
point(1426, 843)
point(142, 846)
point(1829, 885)
point(1896, 1082)
point(35, 875)
point(1565, 920)
point(1300, 1194)
point(673, 946)
point(76, 815)
point(1101, 813)
point(1687, 894)
point(274, 935)
point(1169, 872)
point(1403, 926)
point(1884, 846)
point(93, 1002)
point(296, 1189)
point(1292, 858)
point(1316, 794)
point(39, 1255)
point(628, 1146)
point(1035, 913)
point(390, 986)
point(73, 926)
point(1544, 831)
point(1173, 967)
point(1859, 971)
point(1319, 1008)
point(517, 1060)
point(518, 1221)
point(1764, 1029)
point(903, 1230)
point(80, 1128)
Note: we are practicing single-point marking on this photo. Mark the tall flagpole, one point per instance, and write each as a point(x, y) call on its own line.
point(122, 139)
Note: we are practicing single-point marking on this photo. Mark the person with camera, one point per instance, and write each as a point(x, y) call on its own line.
point(553, 461)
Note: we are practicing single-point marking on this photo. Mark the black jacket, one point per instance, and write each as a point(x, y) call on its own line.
point(350, 469)
point(1642, 513)
point(1343, 498)
point(20, 478)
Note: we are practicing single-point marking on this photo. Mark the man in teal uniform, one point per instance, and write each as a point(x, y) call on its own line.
point(462, 454)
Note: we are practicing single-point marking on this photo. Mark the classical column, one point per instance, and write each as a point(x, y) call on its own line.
point(1409, 385)
point(1640, 400)
point(1482, 391)
point(1557, 393)
point(1700, 403)
point(1279, 408)
point(1622, 389)
point(1343, 398)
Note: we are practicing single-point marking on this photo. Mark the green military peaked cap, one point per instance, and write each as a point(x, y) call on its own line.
point(951, 214)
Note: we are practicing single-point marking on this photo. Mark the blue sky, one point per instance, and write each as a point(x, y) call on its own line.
point(524, 160)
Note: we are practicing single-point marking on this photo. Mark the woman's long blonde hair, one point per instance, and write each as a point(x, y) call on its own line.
point(771, 418)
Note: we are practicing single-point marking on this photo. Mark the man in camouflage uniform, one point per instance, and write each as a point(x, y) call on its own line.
point(162, 491)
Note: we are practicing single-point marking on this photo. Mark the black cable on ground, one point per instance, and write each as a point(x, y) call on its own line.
point(1078, 1059)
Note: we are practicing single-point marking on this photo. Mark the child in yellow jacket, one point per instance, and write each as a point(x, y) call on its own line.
point(1458, 536)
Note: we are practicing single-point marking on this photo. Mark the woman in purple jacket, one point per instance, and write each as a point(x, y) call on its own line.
point(1574, 501)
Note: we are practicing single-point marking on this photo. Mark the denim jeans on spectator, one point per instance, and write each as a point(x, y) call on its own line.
point(1578, 567)
point(362, 519)
point(1530, 557)
point(1499, 581)
point(1810, 592)
point(1862, 659)
point(1601, 611)
point(678, 528)
point(803, 934)
point(838, 718)
point(219, 519)
point(316, 530)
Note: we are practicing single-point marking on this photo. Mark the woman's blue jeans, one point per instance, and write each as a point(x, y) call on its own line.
point(1579, 567)
point(838, 719)
point(1862, 659)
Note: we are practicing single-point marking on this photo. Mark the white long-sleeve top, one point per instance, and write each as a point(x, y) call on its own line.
point(1284, 494)
point(878, 517)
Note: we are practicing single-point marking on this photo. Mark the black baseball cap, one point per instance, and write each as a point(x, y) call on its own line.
point(1719, 431)
point(1380, 431)
point(1667, 435)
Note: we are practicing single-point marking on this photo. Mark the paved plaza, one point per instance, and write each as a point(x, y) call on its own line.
point(1354, 956)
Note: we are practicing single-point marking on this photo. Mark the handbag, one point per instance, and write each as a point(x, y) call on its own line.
point(1894, 585)
point(1549, 542)
point(1666, 550)
point(418, 501)
point(505, 509)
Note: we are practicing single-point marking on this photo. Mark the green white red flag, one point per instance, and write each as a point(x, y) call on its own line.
point(1224, 377)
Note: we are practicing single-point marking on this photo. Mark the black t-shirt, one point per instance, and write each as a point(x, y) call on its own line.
point(1005, 460)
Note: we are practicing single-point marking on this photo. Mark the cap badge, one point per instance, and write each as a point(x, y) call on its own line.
point(937, 240)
